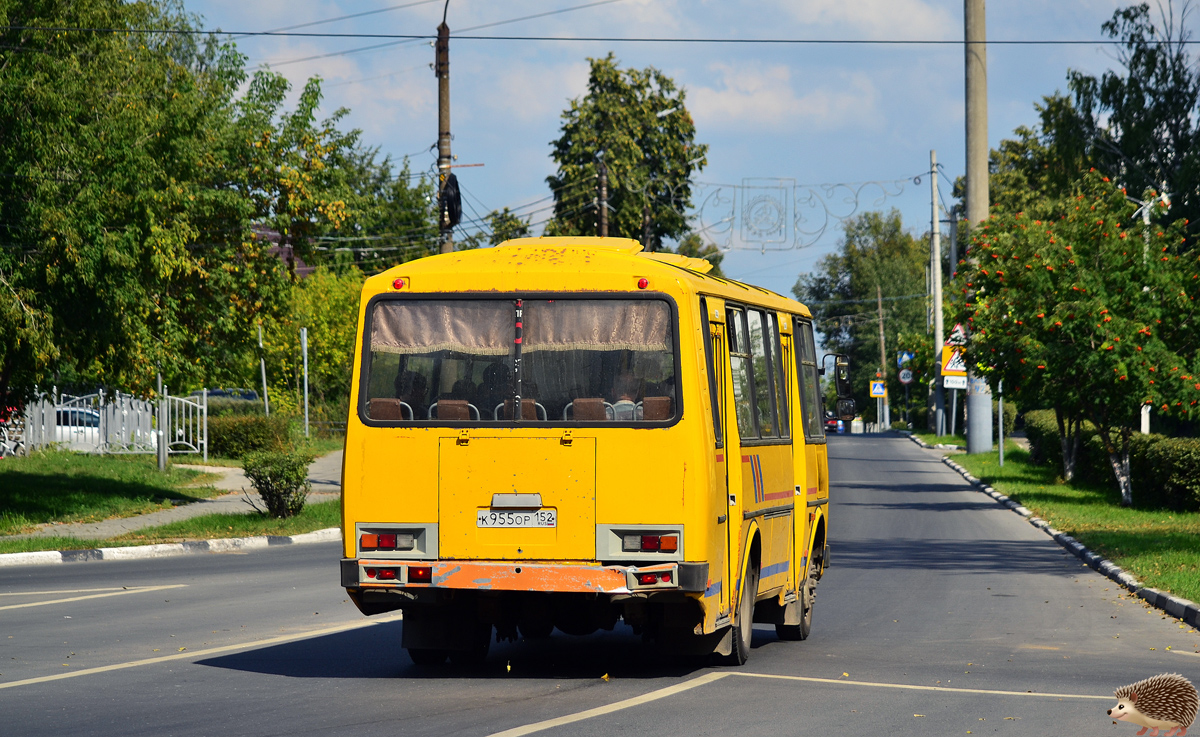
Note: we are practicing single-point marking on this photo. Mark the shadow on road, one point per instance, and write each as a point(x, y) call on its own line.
point(960, 556)
point(375, 652)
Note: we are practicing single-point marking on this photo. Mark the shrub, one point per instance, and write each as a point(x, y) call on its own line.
point(1010, 417)
point(280, 478)
point(899, 425)
point(1165, 471)
point(234, 436)
point(224, 406)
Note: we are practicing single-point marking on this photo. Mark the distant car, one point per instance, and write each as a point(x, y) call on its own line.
point(832, 423)
point(77, 428)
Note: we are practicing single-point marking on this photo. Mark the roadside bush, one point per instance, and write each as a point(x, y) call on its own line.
point(1010, 417)
point(224, 406)
point(899, 425)
point(1166, 471)
point(233, 436)
point(280, 478)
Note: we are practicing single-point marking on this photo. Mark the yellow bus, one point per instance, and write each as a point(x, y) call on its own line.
point(568, 432)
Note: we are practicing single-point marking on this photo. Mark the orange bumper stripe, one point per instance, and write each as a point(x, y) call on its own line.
point(517, 576)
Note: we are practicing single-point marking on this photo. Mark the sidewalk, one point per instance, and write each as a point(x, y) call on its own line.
point(324, 474)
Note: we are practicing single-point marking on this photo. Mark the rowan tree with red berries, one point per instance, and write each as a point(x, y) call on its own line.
point(1086, 310)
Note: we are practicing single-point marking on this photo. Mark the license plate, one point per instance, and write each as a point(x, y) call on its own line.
point(521, 518)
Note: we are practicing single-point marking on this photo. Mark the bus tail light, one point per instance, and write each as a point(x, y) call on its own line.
point(648, 579)
point(668, 543)
point(387, 541)
point(420, 574)
point(650, 543)
point(387, 574)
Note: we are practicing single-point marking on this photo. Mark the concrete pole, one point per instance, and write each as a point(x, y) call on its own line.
point(304, 351)
point(935, 276)
point(262, 363)
point(885, 418)
point(979, 394)
point(603, 203)
point(441, 67)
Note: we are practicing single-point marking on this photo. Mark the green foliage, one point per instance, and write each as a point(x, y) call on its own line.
point(502, 225)
point(1076, 312)
point(1010, 416)
point(1142, 120)
point(1165, 471)
point(280, 478)
point(233, 436)
point(876, 252)
point(222, 406)
point(637, 122)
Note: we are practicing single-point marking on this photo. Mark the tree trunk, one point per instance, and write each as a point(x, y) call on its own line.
point(1069, 432)
point(1118, 458)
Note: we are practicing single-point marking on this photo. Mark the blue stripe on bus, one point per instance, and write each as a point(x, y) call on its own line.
point(775, 569)
point(713, 590)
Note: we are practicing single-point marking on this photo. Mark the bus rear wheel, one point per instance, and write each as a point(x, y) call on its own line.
point(808, 597)
point(427, 657)
point(743, 627)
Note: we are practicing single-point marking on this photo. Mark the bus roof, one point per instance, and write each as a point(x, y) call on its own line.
point(548, 254)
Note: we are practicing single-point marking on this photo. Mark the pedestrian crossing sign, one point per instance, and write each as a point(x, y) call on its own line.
point(878, 388)
point(954, 362)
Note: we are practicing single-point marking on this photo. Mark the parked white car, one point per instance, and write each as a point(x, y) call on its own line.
point(77, 429)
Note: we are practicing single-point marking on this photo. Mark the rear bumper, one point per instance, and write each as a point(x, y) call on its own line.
point(364, 574)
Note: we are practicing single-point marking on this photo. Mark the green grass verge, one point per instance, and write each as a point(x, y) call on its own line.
point(1158, 547)
point(60, 486)
point(313, 517)
point(933, 439)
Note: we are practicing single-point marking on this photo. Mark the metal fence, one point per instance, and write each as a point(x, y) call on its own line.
point(117, 423)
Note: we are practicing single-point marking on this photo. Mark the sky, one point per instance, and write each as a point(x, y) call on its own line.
point(778, 118)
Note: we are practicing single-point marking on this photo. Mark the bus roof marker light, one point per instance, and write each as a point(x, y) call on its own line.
point(643, 283)
point(399, 283)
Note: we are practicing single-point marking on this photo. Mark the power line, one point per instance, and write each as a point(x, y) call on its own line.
point(352, 15)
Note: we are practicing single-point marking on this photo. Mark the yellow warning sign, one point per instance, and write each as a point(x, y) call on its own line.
point(954, 360)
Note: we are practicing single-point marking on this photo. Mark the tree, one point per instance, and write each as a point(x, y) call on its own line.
point(132, 181)
point(876, 252)
point(636, 121)
point(1143, 122)
point(502, 225)
point(1081, 312)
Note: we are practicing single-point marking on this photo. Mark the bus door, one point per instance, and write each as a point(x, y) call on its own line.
point(760, 405)
point(812, 477)
point(723, 541)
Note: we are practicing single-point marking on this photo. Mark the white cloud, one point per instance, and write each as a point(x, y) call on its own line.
point(525, 91)
point(905, 19)
point(763, 97)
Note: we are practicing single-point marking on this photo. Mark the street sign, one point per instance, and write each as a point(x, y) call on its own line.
point(878, 388)
point(906, 376)
point(903, 357)
point(954, 382)
point(954, 361)
point(958, 336)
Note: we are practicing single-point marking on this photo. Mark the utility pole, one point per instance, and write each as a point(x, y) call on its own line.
point(885, 418)
point(646, 228)
point(262, 363)
point(979, 394)
point(935, 274)
point(441, 68)
point(602, 170)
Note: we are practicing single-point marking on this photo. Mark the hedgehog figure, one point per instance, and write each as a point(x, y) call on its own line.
point(1167, 702)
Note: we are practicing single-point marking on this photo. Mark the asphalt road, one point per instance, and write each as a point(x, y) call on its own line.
point(942, 614)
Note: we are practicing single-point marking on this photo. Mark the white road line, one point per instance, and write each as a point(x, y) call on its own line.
point(716, 676)
point(119, 592)
point(1185, 652)
point(661, 693)
point(192, 654)
point(64, 591)
point(874, 684)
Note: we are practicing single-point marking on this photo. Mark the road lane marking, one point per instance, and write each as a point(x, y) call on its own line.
point(661, 693)
point(715, 676)
point(874, 684)
point(1185, 652)
point(111, 592)
point(195, 654)
point(61, 591)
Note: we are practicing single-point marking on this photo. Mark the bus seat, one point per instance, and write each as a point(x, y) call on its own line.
point(591, 409)
point(452, 409)
point(529, 410)
point(384, 408)
point(656, 408)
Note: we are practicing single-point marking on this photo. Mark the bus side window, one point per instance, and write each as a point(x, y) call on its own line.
point(742, 373)
point(781, 384)
point(712, 357)
point(764, 386)
point(810, 389)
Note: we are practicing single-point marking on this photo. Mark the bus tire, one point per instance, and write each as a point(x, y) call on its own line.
point(427, 657)
point(801, 631)
point(743, 627)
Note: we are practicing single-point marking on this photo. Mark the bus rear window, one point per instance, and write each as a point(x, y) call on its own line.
point(559, 361)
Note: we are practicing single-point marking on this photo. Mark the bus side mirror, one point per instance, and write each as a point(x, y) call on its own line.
point(846, 409)
point(841, 375)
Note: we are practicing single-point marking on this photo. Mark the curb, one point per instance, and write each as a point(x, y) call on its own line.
point(138, 552)
point(1183, 609)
